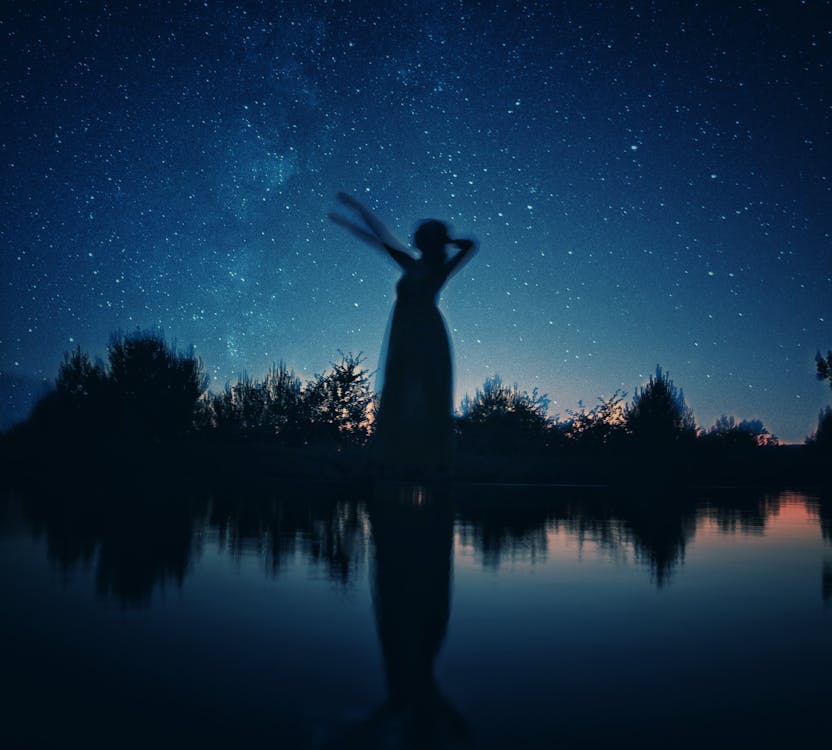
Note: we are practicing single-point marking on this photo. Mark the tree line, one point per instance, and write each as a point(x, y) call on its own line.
point(147, 390)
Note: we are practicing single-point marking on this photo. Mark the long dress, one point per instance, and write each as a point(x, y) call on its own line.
point(414, 417)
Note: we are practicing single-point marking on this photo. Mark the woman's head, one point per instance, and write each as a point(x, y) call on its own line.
point(430, 238)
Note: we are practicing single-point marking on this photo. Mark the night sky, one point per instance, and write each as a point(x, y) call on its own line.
point(648, 186)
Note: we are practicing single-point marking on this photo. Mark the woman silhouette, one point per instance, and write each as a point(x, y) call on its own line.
point(413, 423)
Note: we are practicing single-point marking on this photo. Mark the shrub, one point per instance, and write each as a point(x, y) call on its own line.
point(746, 433)
point(598, 426)
point(504, 419)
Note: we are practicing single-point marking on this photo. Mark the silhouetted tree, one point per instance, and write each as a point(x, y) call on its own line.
point(284, 409)
point(238, 411)
point(824, 367)
point(334, 406)
point(658, 415)
point(76, 406)
point(265, 410)
point(504, 419)
point(153, 389)
point(204, 413)
point(822, 436)
point(600, 425)
point(339, 402)
point(78, 377)
point(147, 390)
point(746, 433)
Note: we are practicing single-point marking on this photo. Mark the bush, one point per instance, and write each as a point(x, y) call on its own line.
point(749, 433)
point(504, 419)
point(600, 426)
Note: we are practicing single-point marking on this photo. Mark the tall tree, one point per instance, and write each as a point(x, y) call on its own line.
point(152, 388)
point(824, 367)
point(822, 436)
point(658, 415)
point(339, 402)
point(747, 432)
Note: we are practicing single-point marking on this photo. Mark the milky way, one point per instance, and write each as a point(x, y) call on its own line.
point(648, 186)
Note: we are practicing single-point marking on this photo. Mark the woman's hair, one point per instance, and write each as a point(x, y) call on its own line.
point(431, 237)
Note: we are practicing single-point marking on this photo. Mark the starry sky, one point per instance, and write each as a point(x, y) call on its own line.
point(649, 183)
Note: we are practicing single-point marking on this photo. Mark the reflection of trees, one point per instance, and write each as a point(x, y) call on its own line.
point(142, 550)
point(311, 521)
point(141, 539)
point(824, 511)
point(137, 541)
point(746, 511)
point(660, 530)
point(500, 521)
point(138, 538)
point(509, 521)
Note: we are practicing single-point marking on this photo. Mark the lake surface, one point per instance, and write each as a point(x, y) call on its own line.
point(410, 616)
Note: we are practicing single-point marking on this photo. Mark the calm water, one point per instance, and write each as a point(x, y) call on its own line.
point(403, 616)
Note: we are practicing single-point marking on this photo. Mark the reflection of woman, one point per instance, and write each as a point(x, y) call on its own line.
point(413, 424)
point(413, 538)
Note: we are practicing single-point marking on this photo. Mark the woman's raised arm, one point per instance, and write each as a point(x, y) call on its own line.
point(466, 249)
point(362, 234)
point(378, 234)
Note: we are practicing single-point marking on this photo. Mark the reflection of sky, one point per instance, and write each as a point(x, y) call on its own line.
point(584, 626)
point(648, 186)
